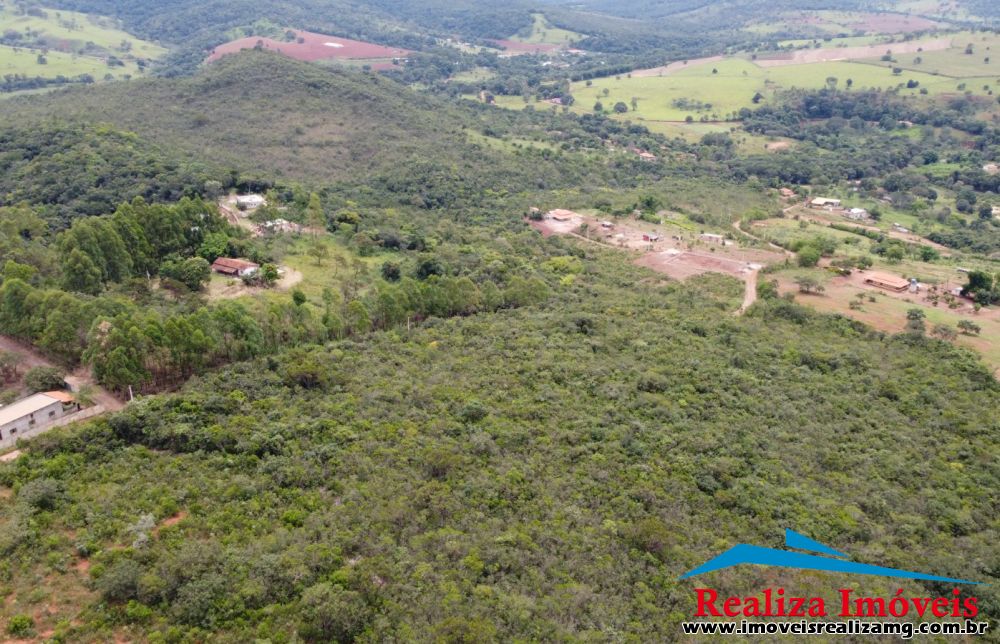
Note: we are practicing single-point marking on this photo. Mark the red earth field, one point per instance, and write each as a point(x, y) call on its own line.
point(315, 47)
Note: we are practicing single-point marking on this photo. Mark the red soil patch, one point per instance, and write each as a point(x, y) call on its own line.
point(549, 226)
point(82, 566)
point(892, 23)
point(681, 265)
point(515, 47)
point(169, 521)
point(316, 47)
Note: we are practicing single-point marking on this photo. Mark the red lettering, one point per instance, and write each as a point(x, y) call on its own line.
point(797, 603)
point(921, 604)
point(940, 607)
point(870, 607)
point(845, 602)
point(732, 606)
point(817, 607)
point(971, 610)
point(708, 603)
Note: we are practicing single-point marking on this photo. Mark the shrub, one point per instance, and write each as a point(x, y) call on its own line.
point(331, 613)
point(41, 494)
point(21, 626)
point(43, 379)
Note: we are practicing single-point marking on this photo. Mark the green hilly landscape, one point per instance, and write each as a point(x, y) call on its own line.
point(498, 343)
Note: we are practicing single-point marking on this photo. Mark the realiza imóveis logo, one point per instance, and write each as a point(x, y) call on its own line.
point(837, 561)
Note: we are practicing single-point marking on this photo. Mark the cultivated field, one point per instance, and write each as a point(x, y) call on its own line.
point(312, 47)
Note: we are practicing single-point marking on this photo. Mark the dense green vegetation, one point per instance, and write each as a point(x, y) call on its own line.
point(72, 170)
point(454, 429)
point(541, 473)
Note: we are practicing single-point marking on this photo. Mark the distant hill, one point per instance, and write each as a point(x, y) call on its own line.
point(258, 110)
point(196, 26)
point(260, 114)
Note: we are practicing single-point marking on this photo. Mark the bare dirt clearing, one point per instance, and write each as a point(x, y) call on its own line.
point(678, 256)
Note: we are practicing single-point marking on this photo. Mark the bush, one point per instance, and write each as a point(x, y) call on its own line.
point(120, 583)
point(21, 626)
point(332, 614)
point(808, 256)
point(44, 379)
point(41, 494)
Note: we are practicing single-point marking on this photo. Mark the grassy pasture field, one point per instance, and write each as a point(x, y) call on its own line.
point(729, 85)
point(25, 61)
point(71, 30)
point(544, 32)
point(77, 44)
point(834, 43)
point(984, 61)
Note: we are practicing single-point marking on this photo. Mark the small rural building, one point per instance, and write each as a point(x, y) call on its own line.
point(899, 228)
point(857, 214)
point(824, 202)
point(234, 267)
point(250, 202)
point(712, 238)
point(30, 416)
point(651, 237)
point(607, 224)
point(887, 281)
point(991, 168)
point(787, 192)
point(647, 156)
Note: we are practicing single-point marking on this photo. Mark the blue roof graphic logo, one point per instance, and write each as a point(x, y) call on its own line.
point(835, 562)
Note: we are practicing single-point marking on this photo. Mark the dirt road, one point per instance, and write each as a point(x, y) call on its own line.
point(82, 376)
point(749, 291)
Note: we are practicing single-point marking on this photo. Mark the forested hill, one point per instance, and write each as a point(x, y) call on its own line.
point(263, 110)
point(261, 114)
